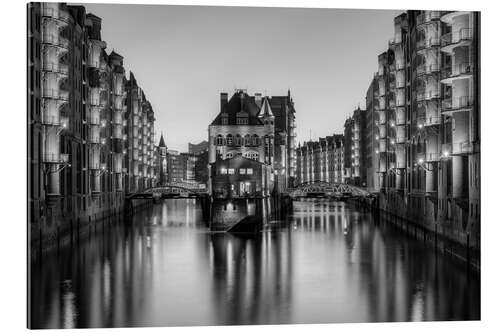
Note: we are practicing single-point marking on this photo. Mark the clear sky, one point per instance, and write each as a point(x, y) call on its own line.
point(184, 56)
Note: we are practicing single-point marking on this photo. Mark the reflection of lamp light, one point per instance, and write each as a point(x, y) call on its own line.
point(446, 153)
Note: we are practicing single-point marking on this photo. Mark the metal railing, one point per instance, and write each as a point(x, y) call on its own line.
point(462, 147)
point(56, 158)
point(426, 69)
point(51, 120)
point(457, 103)
point(456, 37)
point(59, 94)
point(428, 16)
point(54, 13)
point(431, 121)
point(457, 70)
point(55, 40)
point(55, 68)
point(427, 43)
point(432, 157)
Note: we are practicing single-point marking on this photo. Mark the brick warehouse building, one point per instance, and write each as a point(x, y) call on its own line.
point(81, 130)
point(257, 127)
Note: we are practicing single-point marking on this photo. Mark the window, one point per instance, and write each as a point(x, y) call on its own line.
point(249, 171)
point(243, 171)
point(242, 121)
point(229, 155)
point(255, 140)
point(229, 140)
point(223, 171)
point(230, 171)
point(252, 155)
point(237, 140)
point(248, 140)
point(219, 140)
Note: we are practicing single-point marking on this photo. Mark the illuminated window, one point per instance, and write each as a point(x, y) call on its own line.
point(230, 171)
point(249, 171)
point(243, 171)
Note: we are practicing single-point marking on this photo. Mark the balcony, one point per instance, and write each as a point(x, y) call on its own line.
point(51, 120)
point(427, 95)
point(432, 157)
point(95, 135)
point(55, 13)
point(55, 40)
point(453, 104)
point(427, 43)
point(462, 70)
point(428, 17)
point(55, 158)
point(432, 121)
point(429, 69)
point(461, 148)
point(57, 68)
point(456, 38)
point(58, 94)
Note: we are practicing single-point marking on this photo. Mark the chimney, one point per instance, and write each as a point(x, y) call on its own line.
point(258, 99)
point(223, 100)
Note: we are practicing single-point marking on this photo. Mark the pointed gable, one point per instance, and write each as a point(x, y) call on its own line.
point(265, 109)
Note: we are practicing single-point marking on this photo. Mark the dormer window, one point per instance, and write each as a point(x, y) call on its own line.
point(242, 121)
point(242, 118)
point(224, 119)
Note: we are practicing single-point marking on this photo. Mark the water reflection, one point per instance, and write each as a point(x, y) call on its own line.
point(333, 264)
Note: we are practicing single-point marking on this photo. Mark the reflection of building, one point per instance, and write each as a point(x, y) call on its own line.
point(81, 133)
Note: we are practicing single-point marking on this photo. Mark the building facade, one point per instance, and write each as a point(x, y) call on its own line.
point(321, 160)
point(76, 139)
point(355, 170)
point(256, 127)
point(428, 111)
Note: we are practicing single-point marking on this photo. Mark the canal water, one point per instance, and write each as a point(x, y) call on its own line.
point(326, 263)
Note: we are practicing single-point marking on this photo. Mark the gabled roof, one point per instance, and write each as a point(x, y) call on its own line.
point(240, 101)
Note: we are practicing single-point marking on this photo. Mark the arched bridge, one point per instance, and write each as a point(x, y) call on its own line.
point(170, 190)
point(325, 189)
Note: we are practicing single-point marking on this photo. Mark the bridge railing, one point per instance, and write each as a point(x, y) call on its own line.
point(326, 188)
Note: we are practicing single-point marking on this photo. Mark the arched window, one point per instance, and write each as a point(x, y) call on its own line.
point(220, 140)
point(229, 140)
point(237, 140)
point(255, 140)
point(248, 140)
